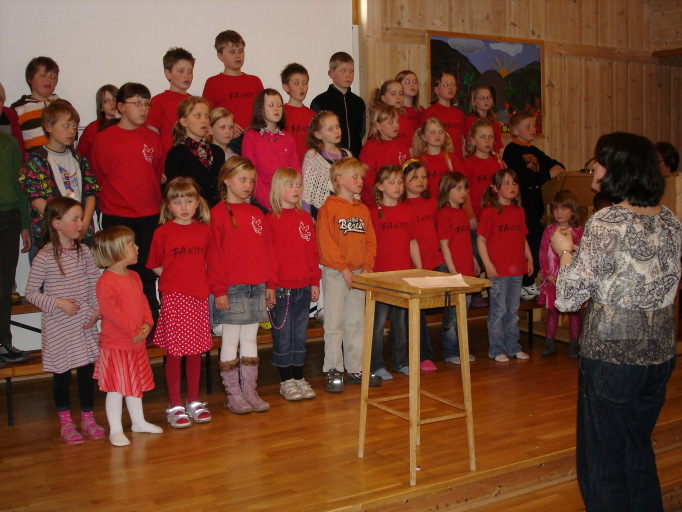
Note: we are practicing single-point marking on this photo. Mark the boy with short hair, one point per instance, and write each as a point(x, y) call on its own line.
point(178, 66)
point(348, 107)
point(347, 246)
point(42, 75)
point(128, 166)
point(533, 168)
point(14, 223)
point(233, 89)
point(56, 170)
point(295, 83)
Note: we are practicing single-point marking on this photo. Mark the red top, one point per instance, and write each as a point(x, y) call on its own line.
point(429, 246)
point(414, 118)
point(298, 120)
point(128, 166)
point(235, 93)
point(453, 225)
point(505, 234)
point(182, 251)
point(295, 249)
point(164, 114)
point(394, 233)
point(479, 173)
point(241, 255)
point(269, 152)
point(453, 119)
point(469, 121)
point(124, 309)
point(437, 166)
point(376, 153)
point(87, 139)
point(407, 129)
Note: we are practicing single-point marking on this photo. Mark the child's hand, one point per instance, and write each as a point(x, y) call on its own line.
point(237, 131)
point(491, 271)
point(164, 178)
point(314, 293)
point(551, 280)
point(473, 224)
point(144, 332)
point(270, 298)
point(477, 267)
point(348, 277)
point(68, 306)
point(222, 302)
point(93, 319)
point(530, 267)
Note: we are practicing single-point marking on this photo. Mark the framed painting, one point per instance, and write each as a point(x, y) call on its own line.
point(512, 68)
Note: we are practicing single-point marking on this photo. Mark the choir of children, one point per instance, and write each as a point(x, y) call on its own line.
point(250, 261)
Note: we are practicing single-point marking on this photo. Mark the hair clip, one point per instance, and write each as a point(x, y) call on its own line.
point(408, 162)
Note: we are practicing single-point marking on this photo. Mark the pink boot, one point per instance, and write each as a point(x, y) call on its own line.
point(229, 371)
point(68, 431)
point(249, 371)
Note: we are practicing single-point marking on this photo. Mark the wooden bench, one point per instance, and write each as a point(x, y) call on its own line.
point(34, 366)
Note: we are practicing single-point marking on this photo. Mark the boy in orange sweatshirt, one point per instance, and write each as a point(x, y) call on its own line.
point(347, 246)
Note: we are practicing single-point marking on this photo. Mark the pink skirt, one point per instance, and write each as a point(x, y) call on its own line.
point(124, 371)
point(183, 327)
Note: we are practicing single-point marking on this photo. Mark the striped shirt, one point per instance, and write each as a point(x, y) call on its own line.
point(30, 110)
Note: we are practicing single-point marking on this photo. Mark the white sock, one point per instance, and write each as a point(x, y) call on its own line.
point(114, 408)
point(247, 336)
point(136, 412)
point(228, 351)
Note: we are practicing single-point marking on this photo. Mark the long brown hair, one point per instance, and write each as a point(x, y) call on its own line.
point(490, 197)
point(184, 110)
point(383, 174)
point(55, 209)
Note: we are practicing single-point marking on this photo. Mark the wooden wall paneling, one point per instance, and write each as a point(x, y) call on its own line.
point(591, 102)
point(519, 18)
point(645, 24)
point(438, 13)
point(555, 99)
point(459, 16)
point(635, 98)
point(620, 96)
point(635, 10)
point(663, 97)
point(605, 97)
point(590, 22)
point(649, 112)
point(617, 22)
point(674, 105)
point(398, 11)
point(537, 13)
point(371, 12)
point(572, 111)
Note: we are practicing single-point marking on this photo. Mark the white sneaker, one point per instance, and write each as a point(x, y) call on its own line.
point(305, 388)
point(289, 390)
point(530, 292)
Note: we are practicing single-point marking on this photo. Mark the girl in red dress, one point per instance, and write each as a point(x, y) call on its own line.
point(178, 256)
point(122, 368)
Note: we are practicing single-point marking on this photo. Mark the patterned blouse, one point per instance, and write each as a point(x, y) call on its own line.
point(629, 266)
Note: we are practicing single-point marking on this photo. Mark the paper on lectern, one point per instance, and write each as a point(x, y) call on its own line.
point(452, 281)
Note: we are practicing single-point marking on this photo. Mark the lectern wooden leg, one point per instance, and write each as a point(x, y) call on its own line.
point(366, 360)
point(413, 343)
point(463, 334)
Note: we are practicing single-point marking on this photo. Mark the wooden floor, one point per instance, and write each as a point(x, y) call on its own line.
point(302, 456)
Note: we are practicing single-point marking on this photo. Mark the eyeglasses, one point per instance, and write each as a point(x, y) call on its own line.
point(588, 166)
point(139, 104)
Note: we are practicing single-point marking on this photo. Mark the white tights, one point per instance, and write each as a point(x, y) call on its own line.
point(238, 336)
point(114, 408)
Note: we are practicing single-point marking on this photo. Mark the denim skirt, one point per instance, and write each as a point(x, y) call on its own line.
point(247, 306)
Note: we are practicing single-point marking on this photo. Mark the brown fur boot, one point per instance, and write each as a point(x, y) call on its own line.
point(249, 372)
point(229, 371)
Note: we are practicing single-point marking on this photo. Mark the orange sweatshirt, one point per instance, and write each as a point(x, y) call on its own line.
point(345, 235)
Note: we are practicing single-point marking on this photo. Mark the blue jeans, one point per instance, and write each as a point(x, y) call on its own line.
point(289, 319)
point(398, 336)
point(503, 318)
point(450, 336)
point(618, 405)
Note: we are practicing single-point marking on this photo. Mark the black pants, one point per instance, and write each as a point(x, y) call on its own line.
point(143, 227)
point(10, 230)
point(86, 391)
point(534, 238)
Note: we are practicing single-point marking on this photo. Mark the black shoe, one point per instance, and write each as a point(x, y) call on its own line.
point(9, 354)
point(356, 378)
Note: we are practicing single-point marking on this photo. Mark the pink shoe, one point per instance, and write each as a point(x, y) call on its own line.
point(69, 434)
point(428, 366)
point(90, 428)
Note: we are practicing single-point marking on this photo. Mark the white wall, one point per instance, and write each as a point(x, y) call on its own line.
point(97, 42)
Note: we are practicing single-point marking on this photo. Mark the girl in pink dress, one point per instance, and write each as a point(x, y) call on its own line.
point(62, 284)
point(178, 256)
point(122, 368)
point(563, 213)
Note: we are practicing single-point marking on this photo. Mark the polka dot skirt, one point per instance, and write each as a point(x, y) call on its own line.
point(183, 327)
